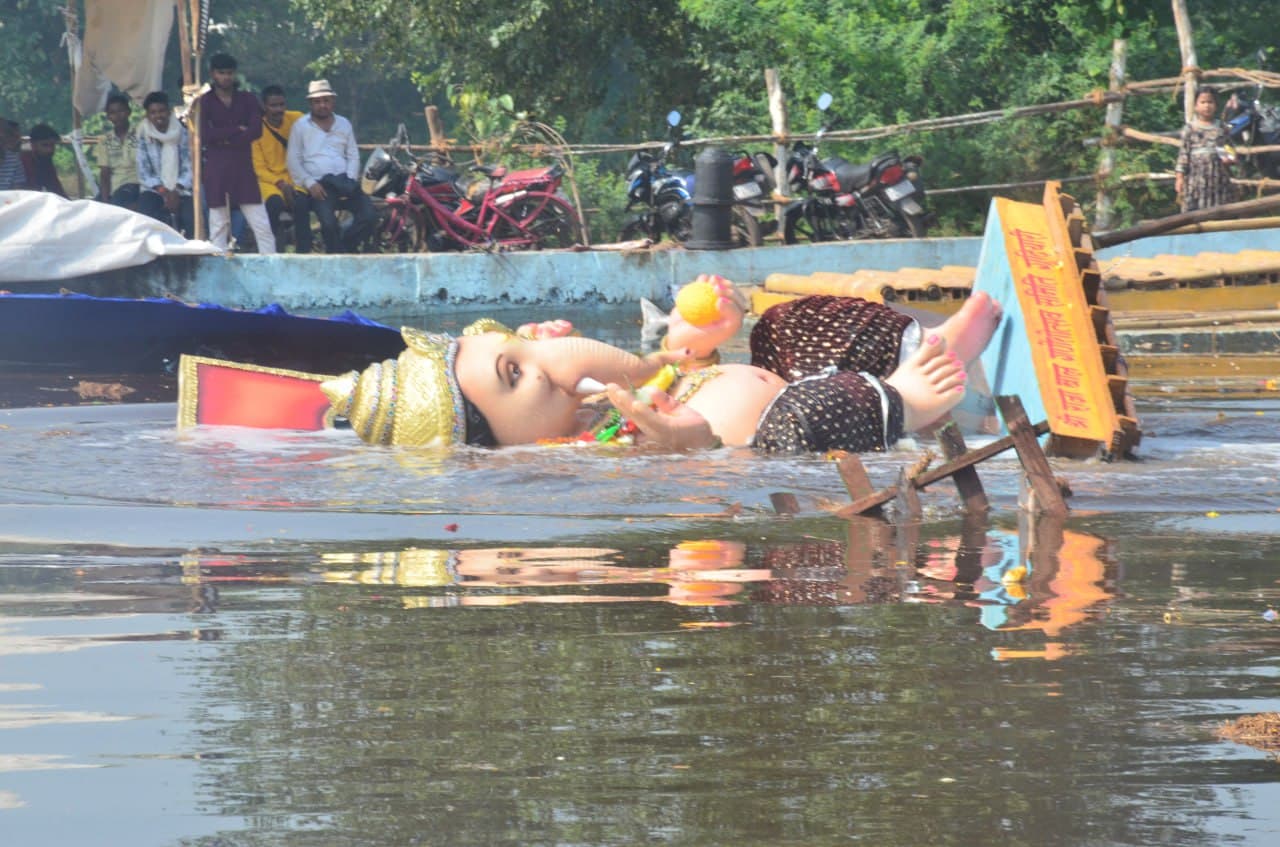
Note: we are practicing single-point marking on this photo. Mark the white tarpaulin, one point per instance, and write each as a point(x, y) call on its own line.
point(44, 237)
point(124, 43)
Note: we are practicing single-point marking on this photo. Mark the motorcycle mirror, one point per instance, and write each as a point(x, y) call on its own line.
point(673, 118)
point(824, 101)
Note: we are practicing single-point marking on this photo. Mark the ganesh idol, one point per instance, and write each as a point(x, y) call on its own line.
point(825, 373)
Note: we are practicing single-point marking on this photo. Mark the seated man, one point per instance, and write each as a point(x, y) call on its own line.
point(117, 156)
point(12, 174)
point(164, 166)
point(270, 162)
point(41, 175)
point(324, 160)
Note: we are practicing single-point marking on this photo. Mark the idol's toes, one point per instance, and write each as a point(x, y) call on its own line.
point(968, 330)
point(928, 390)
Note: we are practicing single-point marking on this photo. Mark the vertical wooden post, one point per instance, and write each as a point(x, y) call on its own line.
point(1110, 136)
point(1190, 68)
point(72, 36)
point(778, 116)
point(189, 46)
point(908, 497)
point(76, 123)
point(966, 479)
point(184, 43)
point(435, 128)
point(1037, 474)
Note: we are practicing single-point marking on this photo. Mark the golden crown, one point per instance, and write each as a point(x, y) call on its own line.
point(413, 400)
point(415, 567)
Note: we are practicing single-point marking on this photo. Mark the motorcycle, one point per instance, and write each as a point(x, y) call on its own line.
point(1252, 124)
point(428, 205)
point(753, 185)
point(881, 199)
point(666, 197)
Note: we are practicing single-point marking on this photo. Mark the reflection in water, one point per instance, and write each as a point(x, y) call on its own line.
point(825, 685)
point(1042, 577)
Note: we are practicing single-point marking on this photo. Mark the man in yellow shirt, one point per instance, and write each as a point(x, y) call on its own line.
point(270, 163)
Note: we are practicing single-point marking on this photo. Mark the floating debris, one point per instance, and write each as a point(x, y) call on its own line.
point(1261, 732)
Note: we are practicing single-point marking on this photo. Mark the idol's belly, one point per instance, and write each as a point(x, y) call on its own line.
point(733, 401)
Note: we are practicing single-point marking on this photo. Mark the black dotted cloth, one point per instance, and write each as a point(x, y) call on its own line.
point(805, 336)
point(834, 350)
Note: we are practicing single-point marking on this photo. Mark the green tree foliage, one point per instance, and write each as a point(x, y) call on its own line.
point(35, 76)
point(608, 70)
point(275, 46)
point(607, 67)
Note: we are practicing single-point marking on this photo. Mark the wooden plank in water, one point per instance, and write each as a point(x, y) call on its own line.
point(972, 494)
point(1048, 496)
point(966, 461)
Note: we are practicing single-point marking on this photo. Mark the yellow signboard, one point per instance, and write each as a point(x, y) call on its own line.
point(1059, 326)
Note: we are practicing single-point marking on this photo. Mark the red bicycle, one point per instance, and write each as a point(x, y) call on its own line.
point(428, 206)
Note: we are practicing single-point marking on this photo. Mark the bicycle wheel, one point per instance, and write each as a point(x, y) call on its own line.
point(400, 231)
point(542, 222)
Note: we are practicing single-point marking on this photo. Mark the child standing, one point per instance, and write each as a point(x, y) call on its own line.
point(1203, 173)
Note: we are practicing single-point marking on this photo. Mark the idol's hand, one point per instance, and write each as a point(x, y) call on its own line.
point(703, 340)
point(670, 356)
point(667, 423)
point(546, 329)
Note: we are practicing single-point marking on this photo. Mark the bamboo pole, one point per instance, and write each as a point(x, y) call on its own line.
point(1097, 99)
point(1004, 186)
point(778, 118)
point(189, 38)
point(1187, 46)
point(1228, 226)
point(1164, 225)
point(1110, 135)
point(193, 129)
point(1149, 137)
point(1156, 138)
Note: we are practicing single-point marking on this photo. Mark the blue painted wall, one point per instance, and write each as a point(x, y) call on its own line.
point(421, 283)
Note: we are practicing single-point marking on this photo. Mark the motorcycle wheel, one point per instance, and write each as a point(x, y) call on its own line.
point(682, 229)
point(636, 230)
point(802, 228)
point(746, 229)
point(917, 225)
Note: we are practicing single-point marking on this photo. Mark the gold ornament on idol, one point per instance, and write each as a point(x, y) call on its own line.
point(412, 400)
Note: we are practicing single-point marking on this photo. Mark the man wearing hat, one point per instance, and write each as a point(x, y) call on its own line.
point(324, 160)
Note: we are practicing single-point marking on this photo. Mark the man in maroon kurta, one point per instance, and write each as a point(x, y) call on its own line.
point(230, 121)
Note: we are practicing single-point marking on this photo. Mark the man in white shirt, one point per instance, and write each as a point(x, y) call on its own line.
point(324, 160)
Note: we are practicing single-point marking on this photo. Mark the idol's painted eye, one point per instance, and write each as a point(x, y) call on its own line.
point(513, 374)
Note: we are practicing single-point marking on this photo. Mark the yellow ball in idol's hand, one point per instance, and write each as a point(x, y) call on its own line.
point(698, 303)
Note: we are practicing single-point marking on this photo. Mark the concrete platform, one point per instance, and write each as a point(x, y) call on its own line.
point(429, 283)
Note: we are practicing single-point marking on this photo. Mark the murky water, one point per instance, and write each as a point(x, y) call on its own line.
point(277, 639)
